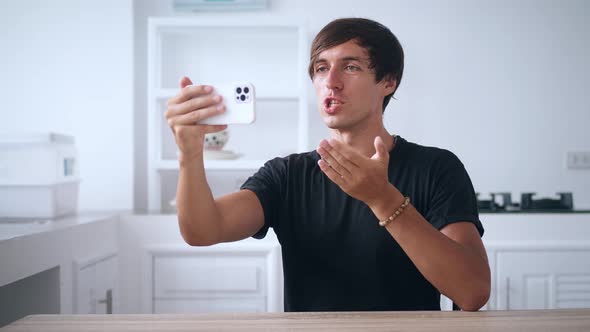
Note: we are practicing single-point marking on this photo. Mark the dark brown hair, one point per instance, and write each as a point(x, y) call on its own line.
point(386, 56)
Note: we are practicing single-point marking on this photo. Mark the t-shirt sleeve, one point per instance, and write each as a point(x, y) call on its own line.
point(267, 184)
point(453, 198)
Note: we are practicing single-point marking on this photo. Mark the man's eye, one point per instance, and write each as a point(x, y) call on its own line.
point(320, 69)
point(351, 68)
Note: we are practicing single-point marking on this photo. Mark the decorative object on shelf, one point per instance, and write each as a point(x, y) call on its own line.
point(214, 143)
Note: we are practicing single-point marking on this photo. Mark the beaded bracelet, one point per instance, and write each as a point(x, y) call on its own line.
point(396, 213)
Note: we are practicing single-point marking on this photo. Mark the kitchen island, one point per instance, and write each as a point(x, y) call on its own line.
point(529, 320)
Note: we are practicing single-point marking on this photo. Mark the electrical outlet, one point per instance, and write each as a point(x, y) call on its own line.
point(578, 160)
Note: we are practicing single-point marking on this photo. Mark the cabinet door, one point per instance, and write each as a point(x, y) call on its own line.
point(85, 293)
point(106, 283)
point(245, 276)
point(210, 283)
point(543, 279)
point(95, 286)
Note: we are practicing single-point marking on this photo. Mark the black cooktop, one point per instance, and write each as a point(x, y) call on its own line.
point(501, 202)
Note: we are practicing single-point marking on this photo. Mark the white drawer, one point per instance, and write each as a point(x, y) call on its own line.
point(209, 274)
point(210, 305)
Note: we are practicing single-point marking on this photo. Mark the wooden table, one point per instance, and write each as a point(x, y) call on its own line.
point(456, 321)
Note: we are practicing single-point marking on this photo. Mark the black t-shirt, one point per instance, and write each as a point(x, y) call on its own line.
point(336, 257)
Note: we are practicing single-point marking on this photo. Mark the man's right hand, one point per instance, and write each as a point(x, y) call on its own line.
point(204, 220)
point(192, 104)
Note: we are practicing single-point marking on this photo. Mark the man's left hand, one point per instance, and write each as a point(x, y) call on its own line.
point(360, 177)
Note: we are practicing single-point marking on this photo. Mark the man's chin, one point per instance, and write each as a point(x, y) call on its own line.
point(330, 123)
point(333, 124)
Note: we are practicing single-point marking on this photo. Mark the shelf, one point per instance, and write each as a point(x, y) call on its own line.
point(213, 51)
point(232, 54)
point(169, 93)
point(171, 165)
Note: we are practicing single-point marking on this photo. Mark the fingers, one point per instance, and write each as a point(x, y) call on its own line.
point(380, 149)
point(189, 92)
point(346, 151)
point(192, 118)
point(192, 105)
point(356, 174)
point(184, 81)
point(331, 173)
point(337, 161)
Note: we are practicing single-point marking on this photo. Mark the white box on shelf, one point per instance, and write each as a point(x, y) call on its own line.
point(39, 175)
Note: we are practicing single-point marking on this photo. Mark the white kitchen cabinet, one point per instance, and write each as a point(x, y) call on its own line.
point(95, 285)
point(268, 52)
point(550, 252)
point(68, 257)
point(541, 276)
point(231, 277)
point(538, 261)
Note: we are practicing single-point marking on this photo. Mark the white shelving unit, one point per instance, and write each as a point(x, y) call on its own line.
point(269, 52)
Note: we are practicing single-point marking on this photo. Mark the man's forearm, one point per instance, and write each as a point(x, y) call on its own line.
point(460, 273)
point(197, 210)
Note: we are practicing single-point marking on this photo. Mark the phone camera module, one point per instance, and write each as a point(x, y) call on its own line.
point(242, 94)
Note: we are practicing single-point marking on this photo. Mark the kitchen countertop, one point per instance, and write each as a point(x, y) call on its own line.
point(11, 228)
point(30, 247)
point(506, 321)
point(16, 228)
point(535, 211)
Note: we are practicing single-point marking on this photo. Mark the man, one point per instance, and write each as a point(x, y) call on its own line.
point(368, 221)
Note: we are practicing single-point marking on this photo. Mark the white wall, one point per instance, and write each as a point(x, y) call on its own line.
point(503, 84)
point(65, 66)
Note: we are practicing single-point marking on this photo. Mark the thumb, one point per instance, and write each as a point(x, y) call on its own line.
point(185, 81)
point(380, 149)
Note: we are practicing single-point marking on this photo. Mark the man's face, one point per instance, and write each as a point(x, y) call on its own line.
point(348, 95)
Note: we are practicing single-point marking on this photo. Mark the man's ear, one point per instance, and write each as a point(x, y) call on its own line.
point(390, 86)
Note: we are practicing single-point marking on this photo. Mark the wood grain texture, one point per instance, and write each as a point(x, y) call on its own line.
point(529, 320)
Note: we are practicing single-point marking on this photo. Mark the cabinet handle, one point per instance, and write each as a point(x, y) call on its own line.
point(108, 301)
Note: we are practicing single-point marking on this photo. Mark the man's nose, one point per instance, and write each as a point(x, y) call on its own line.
point(333, 79)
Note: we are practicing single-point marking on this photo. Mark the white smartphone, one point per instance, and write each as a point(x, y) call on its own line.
point(240, 104)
